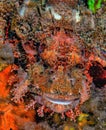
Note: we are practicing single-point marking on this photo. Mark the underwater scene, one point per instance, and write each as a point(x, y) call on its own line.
point(52, 64)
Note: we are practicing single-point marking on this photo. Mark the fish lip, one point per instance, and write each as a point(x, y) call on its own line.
point(55, 99)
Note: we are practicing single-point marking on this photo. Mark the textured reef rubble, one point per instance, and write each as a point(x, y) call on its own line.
point(52, 65)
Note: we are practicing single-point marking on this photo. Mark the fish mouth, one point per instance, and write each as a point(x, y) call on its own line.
point(59, 103)
point(56, 99)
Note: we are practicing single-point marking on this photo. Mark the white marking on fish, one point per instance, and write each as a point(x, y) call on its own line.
point(57, 101)
point(22, 11)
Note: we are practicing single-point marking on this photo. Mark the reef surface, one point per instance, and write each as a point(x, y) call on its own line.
point(52, 65)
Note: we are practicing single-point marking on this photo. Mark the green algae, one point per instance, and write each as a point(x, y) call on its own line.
point(94, 5)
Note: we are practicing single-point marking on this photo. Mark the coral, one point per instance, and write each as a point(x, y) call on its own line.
point(2, 27)
point(43, 126)
point(6, 54)
point(70, 2)
point(4, 77)
point(11, 117)
point(6, 117)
